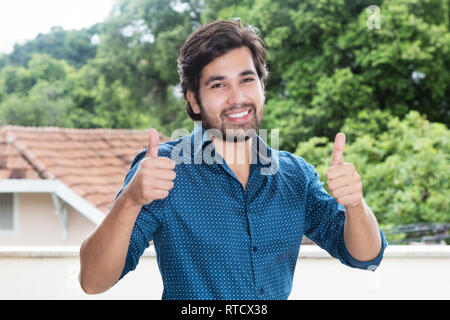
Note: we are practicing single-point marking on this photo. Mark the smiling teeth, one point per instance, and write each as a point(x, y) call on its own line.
point(238, 115)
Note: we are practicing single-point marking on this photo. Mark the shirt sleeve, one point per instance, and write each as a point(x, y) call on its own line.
point(147, 223)
point(324, 224)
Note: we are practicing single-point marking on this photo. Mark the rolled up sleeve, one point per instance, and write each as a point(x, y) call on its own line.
point(371, 265)
point(325, 220)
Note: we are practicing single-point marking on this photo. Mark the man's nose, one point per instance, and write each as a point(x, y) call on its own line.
point(236, 96)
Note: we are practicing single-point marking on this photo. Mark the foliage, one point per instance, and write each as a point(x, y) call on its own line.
point(45, 105)
point(138, 52)
point(403, 165)
point(73, 46)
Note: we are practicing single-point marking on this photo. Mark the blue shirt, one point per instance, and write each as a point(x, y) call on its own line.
point(215, 239)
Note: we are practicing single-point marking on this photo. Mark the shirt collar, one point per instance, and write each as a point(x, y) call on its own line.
point(200, 139)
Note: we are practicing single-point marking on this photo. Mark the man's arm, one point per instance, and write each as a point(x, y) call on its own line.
point(361, 233)
point(103, 255)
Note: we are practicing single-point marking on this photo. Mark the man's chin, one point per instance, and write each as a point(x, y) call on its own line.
point(232, 132)
point(239, 134)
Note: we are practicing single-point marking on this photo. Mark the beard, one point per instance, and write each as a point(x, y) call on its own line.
point(234, 132)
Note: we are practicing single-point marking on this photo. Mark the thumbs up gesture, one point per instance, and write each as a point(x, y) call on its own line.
point(343, 180)
point(154, 176)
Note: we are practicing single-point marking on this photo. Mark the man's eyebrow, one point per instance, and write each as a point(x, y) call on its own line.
point(218, 77)
point(213, 78)
point(247, 72)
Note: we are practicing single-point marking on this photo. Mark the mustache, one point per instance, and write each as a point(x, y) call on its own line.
point(239, 106)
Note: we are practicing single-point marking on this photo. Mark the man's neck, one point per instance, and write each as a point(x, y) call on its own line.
point(235, 154)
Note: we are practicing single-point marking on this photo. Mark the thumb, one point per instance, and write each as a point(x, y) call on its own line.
point(338, 153)
point(152, 149)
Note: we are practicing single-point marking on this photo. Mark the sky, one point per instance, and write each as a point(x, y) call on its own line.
point(22, 20)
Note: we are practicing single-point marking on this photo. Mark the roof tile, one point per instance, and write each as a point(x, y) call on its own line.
point(92, 162)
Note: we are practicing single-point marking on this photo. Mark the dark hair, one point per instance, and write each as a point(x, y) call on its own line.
point(211, 41)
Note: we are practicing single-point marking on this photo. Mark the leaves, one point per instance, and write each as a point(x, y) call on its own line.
point(404, 168)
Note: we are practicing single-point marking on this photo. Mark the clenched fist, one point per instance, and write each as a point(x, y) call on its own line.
point(154, 176)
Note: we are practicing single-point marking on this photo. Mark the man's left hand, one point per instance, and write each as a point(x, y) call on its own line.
point(343, 180)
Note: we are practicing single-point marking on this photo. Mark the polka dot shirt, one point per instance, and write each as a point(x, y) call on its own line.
point(215, 239)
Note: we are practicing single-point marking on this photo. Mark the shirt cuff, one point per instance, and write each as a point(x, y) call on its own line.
point(371, 265)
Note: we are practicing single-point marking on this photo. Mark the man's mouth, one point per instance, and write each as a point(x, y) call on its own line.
point(239, 116)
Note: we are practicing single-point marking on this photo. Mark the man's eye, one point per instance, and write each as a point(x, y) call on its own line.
point(217, 85)
point(248, 79)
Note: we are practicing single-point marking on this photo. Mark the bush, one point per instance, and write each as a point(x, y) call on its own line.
point(403, 165)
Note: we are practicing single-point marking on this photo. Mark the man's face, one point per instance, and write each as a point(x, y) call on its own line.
point(231, 94)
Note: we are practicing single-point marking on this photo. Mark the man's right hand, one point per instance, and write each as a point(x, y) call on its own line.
point(154, 176)
point(102, 256)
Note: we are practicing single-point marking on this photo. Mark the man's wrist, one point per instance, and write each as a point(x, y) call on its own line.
point(356, 210)
point(128, 202)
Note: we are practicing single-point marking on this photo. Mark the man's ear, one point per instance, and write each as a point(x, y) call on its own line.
point(193, 102)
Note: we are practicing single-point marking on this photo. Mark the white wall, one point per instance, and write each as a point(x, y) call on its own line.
point(415, 272)
point(38, 224)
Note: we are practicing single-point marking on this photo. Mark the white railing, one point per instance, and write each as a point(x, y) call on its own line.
point(406, 272)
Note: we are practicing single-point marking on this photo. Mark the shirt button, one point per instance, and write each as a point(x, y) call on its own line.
point(255, 249)
point(261, 290)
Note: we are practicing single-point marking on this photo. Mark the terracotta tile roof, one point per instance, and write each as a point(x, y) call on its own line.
point(92, 162)
point(12, 164)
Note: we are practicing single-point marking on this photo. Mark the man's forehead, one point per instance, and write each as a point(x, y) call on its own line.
point(236, 62)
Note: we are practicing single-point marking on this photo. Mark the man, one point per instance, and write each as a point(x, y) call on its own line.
point(230, 228)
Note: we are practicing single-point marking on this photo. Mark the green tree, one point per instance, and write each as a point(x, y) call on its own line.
point(74, 46)
point(44, 67)
point(3, 60)
point(403, 165)
point(45, 105)
point(138, 51)
point(48, 92)
point(15, 80)
point(20, 80)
